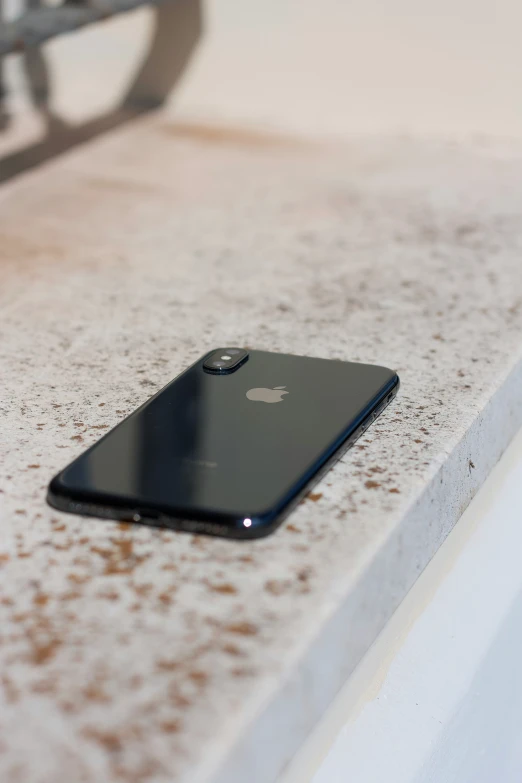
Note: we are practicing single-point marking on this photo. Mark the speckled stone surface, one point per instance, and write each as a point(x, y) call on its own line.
point(133, 654)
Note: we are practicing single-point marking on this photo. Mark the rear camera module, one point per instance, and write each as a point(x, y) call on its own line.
point(225, 360)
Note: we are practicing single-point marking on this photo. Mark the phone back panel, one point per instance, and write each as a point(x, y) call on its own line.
point(201, 447)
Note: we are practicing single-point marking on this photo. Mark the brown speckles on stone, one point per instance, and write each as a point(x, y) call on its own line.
point(96, 693)
point(108, 595)
point(177, 698)
point(466, 229)
point(34, 467)
point(147, 769)
point(170, 726)
point(394, 491)
point(198, 677)
point(43, 651)
point(293, 528)
point(232, 649)
point(70, 595)
point(166, 665)
point(81, 561)
point(223, 588)
point(68, 707)
point(110, 741)
point(41, 599)
point(62, 547)
point(120, 558)
point(243, 671)
point(44, 686)
point(314, 496)
point(277, 586)
point(371, 484)
point(4, 557)
point(10, 691)
point(243, 628)
point(20, 617)
point(78, 579)
point(142, 590)
point(305, 574)
point(135, 682)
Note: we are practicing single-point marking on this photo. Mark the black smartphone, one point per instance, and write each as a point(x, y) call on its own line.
point(230, 446)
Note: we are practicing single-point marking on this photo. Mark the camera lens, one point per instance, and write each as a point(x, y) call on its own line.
point(224, 360)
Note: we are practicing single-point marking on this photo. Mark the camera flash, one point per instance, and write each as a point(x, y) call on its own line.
point(247, 522)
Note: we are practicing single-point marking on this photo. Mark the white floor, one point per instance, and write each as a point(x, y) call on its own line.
point(438, 698)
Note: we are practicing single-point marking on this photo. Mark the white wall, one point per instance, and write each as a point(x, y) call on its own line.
point(438, 698)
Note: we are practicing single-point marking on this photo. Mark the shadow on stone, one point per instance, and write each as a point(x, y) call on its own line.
point(178, 29)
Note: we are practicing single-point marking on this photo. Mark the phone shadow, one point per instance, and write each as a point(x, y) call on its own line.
point(178, 29)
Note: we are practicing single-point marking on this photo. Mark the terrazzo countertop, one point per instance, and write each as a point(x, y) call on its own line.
point(134, 654)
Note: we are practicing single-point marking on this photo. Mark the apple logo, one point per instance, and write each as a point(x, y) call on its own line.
point(267, 395)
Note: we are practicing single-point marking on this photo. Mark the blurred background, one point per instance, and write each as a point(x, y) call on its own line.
point(322, 69)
